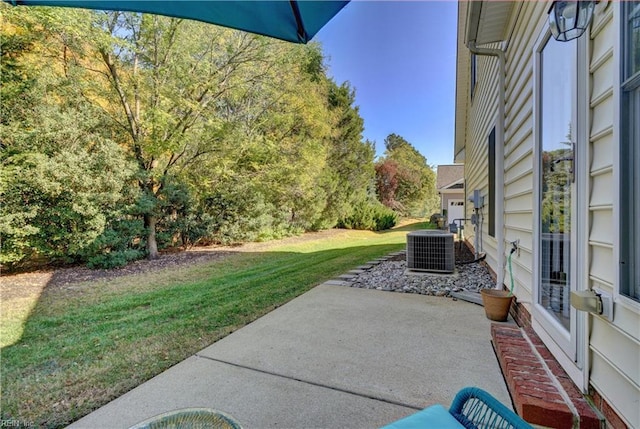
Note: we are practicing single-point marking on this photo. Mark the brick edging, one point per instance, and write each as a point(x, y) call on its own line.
point(541, 391)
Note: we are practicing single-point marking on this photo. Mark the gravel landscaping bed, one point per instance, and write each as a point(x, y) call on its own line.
point(393, 275)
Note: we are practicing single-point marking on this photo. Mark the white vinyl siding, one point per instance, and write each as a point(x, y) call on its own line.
point(614, 347)
point(518, 164)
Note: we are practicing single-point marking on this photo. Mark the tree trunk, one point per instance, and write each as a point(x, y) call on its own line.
point(152, 244)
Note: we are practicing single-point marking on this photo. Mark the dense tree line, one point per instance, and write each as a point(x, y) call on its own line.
point(123, 133)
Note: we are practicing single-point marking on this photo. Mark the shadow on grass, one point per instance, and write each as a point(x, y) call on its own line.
point(83, 346)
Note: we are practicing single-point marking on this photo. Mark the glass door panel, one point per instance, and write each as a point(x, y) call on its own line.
point(558, 82)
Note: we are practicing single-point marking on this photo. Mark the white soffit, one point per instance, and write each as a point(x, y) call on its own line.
point(487, 21)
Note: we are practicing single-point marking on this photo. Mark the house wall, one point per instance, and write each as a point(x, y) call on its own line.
point(614, 347)
point(480, 117)
point(519, 143)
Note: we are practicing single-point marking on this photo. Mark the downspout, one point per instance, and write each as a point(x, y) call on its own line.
point(500, 54)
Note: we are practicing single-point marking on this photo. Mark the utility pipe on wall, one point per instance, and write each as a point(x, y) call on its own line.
point(499, 200)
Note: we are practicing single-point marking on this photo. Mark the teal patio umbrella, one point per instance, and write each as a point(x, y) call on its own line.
point(292, 20)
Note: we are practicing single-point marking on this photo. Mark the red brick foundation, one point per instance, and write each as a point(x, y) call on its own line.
point(585, 405)
point(521, 315)
point(541, 392)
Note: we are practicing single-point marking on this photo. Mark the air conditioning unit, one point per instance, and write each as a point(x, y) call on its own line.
point(431, 250)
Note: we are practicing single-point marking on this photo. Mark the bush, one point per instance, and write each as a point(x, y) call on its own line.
point(55, 205)
point(243, 214)
point(370, 215)
point(119, 244)
point(181, 221)
point(385, 219)
point(115, 259)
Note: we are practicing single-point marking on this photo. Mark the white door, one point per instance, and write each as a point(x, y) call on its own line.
point(455, 211)
point(560, 148)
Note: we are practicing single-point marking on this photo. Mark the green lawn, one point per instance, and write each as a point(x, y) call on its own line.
point(80, 348)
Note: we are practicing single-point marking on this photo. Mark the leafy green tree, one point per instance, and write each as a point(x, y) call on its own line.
point(62, 178)
point(349, 169)
point(276, 154)
point(169, 80)
point(556, 177)
point(15, 78)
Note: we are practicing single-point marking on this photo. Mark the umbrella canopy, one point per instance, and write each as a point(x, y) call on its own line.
point(292, 20)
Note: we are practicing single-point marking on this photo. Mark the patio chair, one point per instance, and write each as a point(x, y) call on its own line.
point(472, 408)
point(190, 418)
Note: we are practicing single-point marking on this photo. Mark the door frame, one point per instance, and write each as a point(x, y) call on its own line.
point(567, 347)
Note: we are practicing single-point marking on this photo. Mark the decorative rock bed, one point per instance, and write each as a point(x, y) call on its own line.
point(392, 275)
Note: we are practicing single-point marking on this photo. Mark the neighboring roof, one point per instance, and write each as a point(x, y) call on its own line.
point(448, 175)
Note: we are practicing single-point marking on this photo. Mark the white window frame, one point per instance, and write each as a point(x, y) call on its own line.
point(620, 134)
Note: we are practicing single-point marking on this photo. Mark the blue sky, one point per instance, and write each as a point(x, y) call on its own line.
point(400, 58)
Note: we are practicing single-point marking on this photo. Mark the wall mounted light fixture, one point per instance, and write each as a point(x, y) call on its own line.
point(568, 20)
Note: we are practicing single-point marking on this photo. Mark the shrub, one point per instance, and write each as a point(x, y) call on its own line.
point(370, 215)
point(115, 259)
point(385, 219)
point(120, 243)
point(55, 205)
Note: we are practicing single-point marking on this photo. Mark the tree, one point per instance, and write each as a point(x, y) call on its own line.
point(556, 180)
point(387, 183)
point(60, 185)
point(167, 75)
point(276, 153)
point(406, 183)
point(61, 176)
point(206, 133)
point(349, 171)
point(167, 87)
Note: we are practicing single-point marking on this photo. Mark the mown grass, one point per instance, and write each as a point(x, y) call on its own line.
point(83, 347)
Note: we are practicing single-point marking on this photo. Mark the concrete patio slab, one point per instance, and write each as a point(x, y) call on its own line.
point(411, 349)
point(253, 398)
point(333, 357)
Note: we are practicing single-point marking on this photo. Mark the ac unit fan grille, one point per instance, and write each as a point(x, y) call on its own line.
point(430, 251)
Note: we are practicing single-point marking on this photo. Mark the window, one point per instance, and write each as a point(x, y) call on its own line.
point(474, 73)
point(492, 182)
point(630, 152)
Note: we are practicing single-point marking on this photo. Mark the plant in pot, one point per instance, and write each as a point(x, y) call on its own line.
point(497, 302)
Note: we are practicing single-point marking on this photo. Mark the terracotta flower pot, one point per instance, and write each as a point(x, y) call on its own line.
point(496, 304)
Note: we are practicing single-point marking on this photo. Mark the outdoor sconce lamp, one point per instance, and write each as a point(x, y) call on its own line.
point(569, 19)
